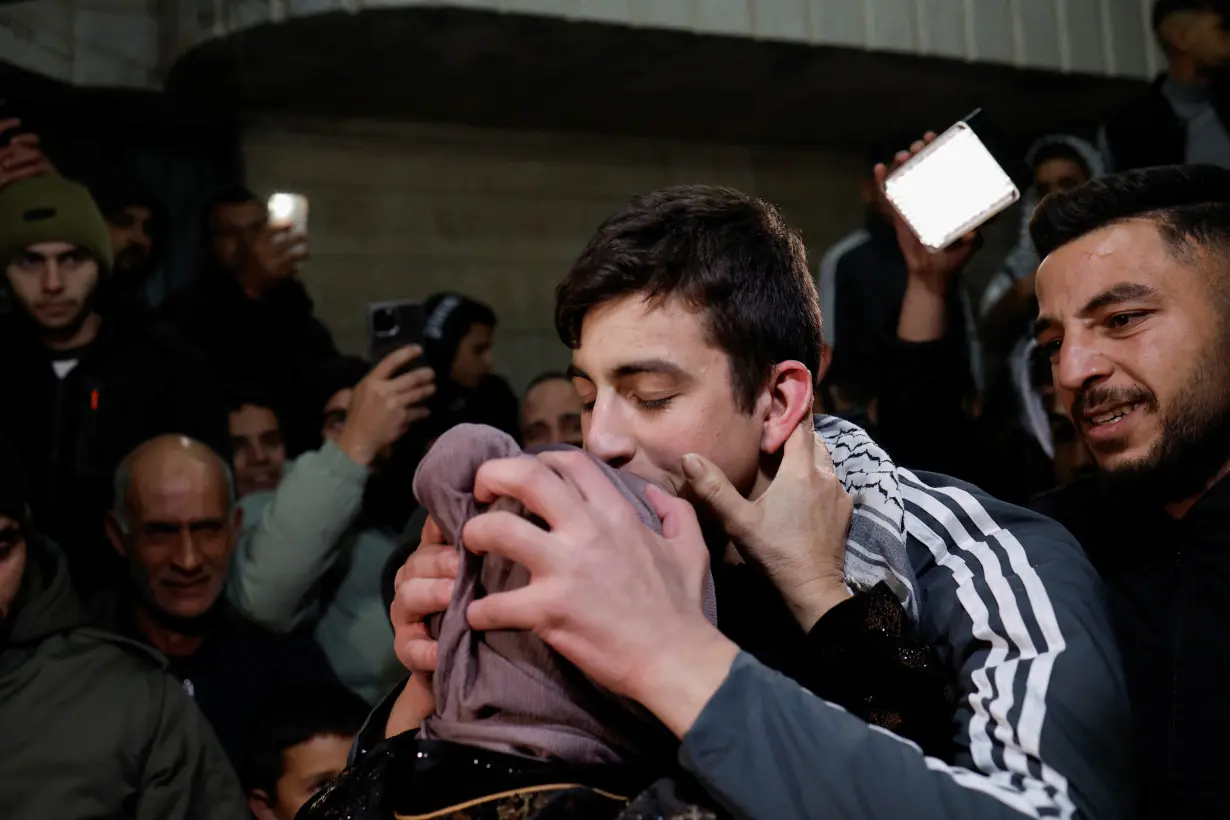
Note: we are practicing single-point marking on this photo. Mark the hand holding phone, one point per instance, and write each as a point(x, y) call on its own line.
point(20, 157)
point(384, 406)
point(926, 264)
point(395, 325)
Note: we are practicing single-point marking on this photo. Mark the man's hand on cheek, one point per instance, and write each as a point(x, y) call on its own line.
point(621, 602)
point(796, 531)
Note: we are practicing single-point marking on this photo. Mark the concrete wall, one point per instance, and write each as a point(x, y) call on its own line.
point(403, 211)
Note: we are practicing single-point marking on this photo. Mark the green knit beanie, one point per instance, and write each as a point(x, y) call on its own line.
point(51, 209)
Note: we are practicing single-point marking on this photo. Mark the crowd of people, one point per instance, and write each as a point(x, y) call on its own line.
point(782, 541)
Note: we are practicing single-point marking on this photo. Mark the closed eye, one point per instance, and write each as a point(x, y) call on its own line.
point(654, 404)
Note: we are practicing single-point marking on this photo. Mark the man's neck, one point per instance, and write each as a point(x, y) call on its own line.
point(1178, 509)
point(165, 638)
point(1185, 70)
point(79, 336)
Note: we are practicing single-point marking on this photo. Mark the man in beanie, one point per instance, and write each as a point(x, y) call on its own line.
point(90, 724)
point(314, 550)
point(248, 312)
point(86, 378)
point(458, 335)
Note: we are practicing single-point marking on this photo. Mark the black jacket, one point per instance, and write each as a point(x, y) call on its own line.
point(91, 726)
point(868, 280)
point(237, 668)
point(1169, 590)
point(274, 342)
point(135, 381)
point(1147, 132)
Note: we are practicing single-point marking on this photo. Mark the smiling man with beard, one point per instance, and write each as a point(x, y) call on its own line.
point(1134, 295)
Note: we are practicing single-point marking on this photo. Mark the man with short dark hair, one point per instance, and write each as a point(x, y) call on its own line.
point(86, 377)
point(1134, 295)
point(90, 725)
point(258, 447)
point(297, 746)
point(175, 523)
point(550, 411)
point(134, 220)
point(1182, 118)
point(248, 312)
point(694, 325)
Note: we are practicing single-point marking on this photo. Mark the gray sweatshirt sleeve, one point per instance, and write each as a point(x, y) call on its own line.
point(1042, 727)
point(285, 551)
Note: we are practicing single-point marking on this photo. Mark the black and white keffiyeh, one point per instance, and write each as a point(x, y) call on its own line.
point(875, 548)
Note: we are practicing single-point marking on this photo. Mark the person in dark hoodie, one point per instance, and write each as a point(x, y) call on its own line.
point(90, 725)
point(458, 335)
point(248, 312)
point(86, 376)
point(1182, 117)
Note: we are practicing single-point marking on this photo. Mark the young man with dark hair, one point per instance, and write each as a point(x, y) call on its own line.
point(1134, 295)
point(694, 325)
point(1182, 118)
point(86, 377)
point(248, 312)
point(297, 746)
point(258, 446)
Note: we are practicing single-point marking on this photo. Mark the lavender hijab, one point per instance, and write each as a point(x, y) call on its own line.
point(507, 691)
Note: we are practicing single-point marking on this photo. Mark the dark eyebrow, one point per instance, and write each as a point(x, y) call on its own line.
point(574, 372)
point(1115, 294)
point(647, 366)
point(1123, 292)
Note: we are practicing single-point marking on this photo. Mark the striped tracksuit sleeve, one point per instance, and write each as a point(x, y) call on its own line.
point(1042, 726)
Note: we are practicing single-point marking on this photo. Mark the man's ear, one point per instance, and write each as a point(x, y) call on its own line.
point(258, 802)
point(115, 534)
point(790, 402)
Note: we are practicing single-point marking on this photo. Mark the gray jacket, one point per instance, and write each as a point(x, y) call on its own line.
point(1042, 729)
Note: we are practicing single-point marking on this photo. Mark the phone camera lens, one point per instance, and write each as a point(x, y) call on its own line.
point(384, 322)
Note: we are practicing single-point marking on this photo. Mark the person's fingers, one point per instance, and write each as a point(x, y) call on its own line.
point(419, 654)
point(821, 458)
point(418, 597)
point(678, 517)
point(916, 146)
point(880, 174)
point(417, 414)
point(390, 364)
point(930, 137)
point(518, 609)
point(24, 140)
point(531, 482)
point(797, 457)
point(511, 537)
point(416, 378)
point(711, 487)
point(432, 535)
point(9, 124)
point(587, 477)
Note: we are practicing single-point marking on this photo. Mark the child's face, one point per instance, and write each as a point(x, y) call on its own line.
point(307, 768)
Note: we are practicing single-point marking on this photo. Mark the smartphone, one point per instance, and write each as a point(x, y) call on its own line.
point(952, 186)
point(392, 326)
point(289, 211)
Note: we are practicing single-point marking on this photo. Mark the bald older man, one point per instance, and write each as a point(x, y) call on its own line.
point(175, 522)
